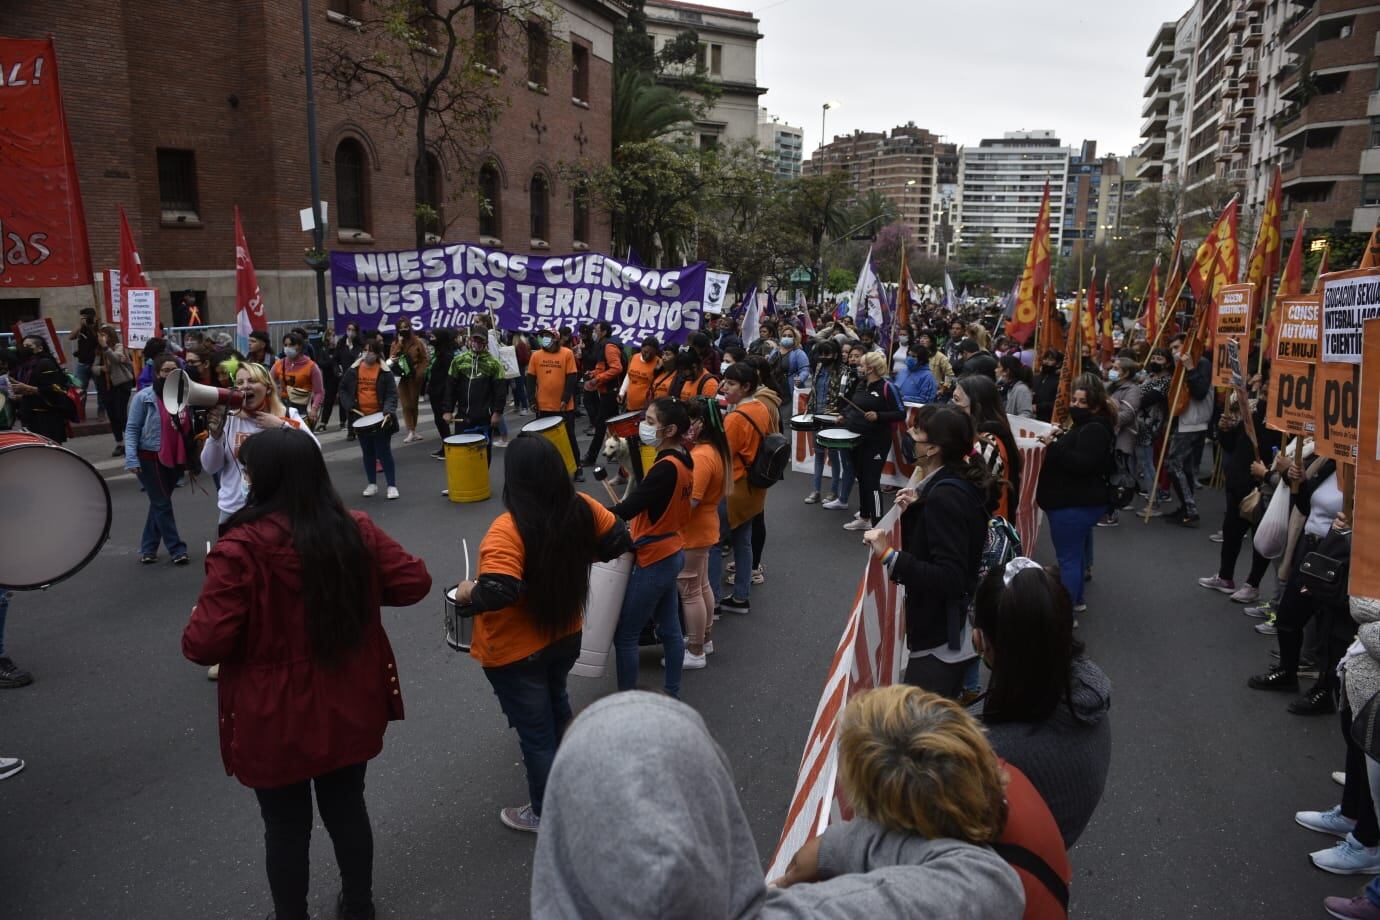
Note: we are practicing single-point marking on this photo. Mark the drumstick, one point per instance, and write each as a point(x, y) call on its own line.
point(613, 495)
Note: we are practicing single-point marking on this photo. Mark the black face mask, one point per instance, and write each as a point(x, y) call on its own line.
point(1158, 368)
point(1080, 414)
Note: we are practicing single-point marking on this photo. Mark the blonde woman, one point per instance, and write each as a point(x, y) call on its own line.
point(871, 411)
point(263, 410)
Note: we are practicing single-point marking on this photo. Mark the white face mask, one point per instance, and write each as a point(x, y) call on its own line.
point(723, 368)
point(244, 487)
point(290, 352)
point(647, 433)
point(1113, 375)
point(904, 340)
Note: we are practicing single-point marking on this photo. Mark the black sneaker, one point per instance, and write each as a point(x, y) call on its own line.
point(119, 451)
point(439, 453)
point(579, 475)
point(342, 913)
point(1278, 679)
point(1317, 703)
point(13, 676)
point(1184, 520)
point(733, 605)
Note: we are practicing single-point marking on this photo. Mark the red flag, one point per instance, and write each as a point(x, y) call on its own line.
point(1290, 283)
point(1034, 277)
point(1150, 317)
point(1216, 261)
point(1073, 356)
point(132, 273)
point(1264, 261)
point(249, 302)
point(1088, 332)
point(1108, 346)
point(1322, 269)
point(42, 222)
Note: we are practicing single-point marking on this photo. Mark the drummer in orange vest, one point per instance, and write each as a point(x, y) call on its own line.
point(637, 390)
point(299, 379)
point(552, 377)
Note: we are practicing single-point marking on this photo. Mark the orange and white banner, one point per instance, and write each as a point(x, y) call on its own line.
point(1365, 537)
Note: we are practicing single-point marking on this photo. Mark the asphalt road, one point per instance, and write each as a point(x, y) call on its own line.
point(124, 810)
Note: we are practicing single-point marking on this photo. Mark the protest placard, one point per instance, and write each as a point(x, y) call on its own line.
point(141, 315)
point(1233, 322)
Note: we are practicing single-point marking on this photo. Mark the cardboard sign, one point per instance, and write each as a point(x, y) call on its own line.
point(40, 329)
point(1232, 321)
point(1365, 518)
point(1349, 299)
point(114, 298)
point(1298, 335)
point(141, 316)
point(1338, 410)
point(1291, 397)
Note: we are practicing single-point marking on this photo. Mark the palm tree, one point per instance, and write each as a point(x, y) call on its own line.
point(644, 110)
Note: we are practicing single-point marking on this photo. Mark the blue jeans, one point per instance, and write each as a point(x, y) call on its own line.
point(378, 450)
point(651, 593)
point(158, 482)
point(1069, 529)
point(716, 556)
point(740, 538)
point(519, 390)
point(532, 695)
point(833, 455)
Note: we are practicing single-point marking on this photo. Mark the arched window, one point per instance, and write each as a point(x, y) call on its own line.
point(351, 187)
point(434, 196)
point(490, 201)
point(540, 208)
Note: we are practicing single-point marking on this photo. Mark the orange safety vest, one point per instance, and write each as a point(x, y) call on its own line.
point(655, 540)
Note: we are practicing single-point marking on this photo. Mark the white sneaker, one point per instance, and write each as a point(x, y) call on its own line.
point(709, 647)
point(835, 505)
point(858, 524)
point(392, 491)
point(371, 490)
point(692, 661)
point(1339, 777)
point(10, 766)
point(213, 672)
point(812, 498)
point(759, 576)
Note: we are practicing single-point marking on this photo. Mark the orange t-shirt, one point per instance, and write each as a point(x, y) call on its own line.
point(640, 374)
point(706, 385)
point(668, 529)
point(708, 489)
point(550, 368)
point(743, 439)
point(504, 636)
point(367, 388)
point(661, 384)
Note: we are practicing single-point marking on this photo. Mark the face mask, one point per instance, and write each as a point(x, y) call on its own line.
point(1080, 414)
point(1158, 368)
point(370, 358)
point(912, 364)
point(244, 488)
point(723, 368)
point(1114, 375)
point(904, 340)
point(545, 341)
point(289, 352)
point(647, 433)
point(1047, 367)
point(788, 343)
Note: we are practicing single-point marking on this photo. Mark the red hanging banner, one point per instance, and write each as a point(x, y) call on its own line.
point(42, 224)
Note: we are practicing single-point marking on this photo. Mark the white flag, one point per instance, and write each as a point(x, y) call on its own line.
point(867, 280)
point(949, 300)
point(715, 290)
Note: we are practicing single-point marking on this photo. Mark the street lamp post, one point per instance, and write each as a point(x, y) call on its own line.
point(318, 232)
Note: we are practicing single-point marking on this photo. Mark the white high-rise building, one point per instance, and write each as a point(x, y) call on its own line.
point(781, 143)
point(1000, 184)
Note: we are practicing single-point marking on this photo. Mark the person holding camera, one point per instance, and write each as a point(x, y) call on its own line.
point(86, 337)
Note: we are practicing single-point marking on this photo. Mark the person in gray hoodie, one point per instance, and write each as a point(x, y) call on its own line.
point(1045, 709)
point(642, 819)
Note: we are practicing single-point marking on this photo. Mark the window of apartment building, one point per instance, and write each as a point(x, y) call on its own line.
point(351, 187)
point(350, 9)
point(1370, 191)
point(487, 24)
point(709, 141)
point(579, 72)
point(540, 208)
point(710, 58)
point(177, 184)
point(490, 201)
point(538, 50)
point(1374, 128)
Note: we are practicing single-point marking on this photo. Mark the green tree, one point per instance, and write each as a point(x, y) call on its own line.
point(745, 225)
point(819, 206)
point(886, 250)
point(653, 193)
point(840, 279)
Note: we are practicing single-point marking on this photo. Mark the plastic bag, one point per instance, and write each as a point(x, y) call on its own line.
point(1272, 533)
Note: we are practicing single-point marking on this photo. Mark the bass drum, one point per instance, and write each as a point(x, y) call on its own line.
point(58, 512)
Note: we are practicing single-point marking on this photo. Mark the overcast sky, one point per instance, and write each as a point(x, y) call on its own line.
point(965, 69)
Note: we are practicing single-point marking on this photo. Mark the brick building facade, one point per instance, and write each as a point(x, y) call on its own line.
point(181, 109)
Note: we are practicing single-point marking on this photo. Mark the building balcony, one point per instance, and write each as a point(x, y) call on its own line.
point(1154, 124)
point(1156, 102)
point(1364, 219)
point(1314, 28)
point(1231, 88)
point(1373, 104)
point(1151, 148)
point(1370, 161)
point(1253, 35)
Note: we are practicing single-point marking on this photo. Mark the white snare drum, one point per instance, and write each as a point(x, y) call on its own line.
point(838, 438)
point(58, 510)
point(459, 630)
point(368, 424)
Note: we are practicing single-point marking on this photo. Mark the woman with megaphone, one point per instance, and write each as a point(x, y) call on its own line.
point(259, 409)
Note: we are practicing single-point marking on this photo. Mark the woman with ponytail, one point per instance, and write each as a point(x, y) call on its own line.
point(308, 682)
point(711, 459)
point(943, 533)
point(529, 596)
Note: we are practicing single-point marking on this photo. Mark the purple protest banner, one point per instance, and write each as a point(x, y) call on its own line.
point(449, 286)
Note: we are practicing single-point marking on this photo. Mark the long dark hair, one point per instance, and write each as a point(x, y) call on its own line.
point(1015, 369)
point(1028, 625)
point(288, 477)
point(705, 410)
point(989, 416)
point(1098, 401)
point(556, 525)
point(951, 430)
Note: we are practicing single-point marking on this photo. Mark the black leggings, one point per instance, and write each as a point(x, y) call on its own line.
point(1356, 801)
point(332, 388)
point(1234, 531)
point(1334, 624)
point(604, 407)
point(867, 463)
point(438, 410)
point(287, 840)
point(117, 408)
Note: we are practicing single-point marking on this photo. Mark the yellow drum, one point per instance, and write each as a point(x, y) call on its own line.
point(553, 429)
point(648, 458)
point(467, 467)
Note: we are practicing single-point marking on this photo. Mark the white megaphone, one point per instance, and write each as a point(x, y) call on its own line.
point(181, 391)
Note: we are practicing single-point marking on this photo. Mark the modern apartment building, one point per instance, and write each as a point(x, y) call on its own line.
point(780, 143)
point(1094, 195)
point(909, 166)
point(1001, 182)
point(728, 56)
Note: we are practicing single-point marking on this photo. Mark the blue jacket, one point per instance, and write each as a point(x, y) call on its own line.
point(919, 385)
point(143, 429)
point(798, 368)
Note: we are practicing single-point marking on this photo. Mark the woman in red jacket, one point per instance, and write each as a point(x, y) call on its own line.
point(308, 682)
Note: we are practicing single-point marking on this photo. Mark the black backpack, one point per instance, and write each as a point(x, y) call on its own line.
point(773, 457)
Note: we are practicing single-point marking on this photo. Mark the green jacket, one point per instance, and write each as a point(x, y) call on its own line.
point(475, 386)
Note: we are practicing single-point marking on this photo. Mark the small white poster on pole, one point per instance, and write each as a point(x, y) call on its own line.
point(141, 316)
point(309, 222)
